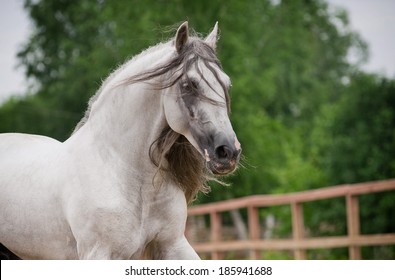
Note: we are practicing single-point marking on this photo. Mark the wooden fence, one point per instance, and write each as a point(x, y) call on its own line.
point(299, 242)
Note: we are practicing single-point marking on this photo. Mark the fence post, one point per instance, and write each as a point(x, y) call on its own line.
point(216, 231)
point(298, 228)
point(254, 230)
point(353, 225)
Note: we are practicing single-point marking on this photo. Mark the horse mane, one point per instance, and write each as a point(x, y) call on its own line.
point(175, 157)
point(171, 152)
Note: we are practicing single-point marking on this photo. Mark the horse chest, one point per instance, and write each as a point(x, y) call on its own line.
point(128, 223)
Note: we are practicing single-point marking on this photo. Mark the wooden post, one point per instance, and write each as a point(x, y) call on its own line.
point(254, 230)
point(298, 228)
point(353, 225)
point(216, 231)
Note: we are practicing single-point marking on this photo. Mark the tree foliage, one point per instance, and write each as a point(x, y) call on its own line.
point(360, 146)
point(306, 116)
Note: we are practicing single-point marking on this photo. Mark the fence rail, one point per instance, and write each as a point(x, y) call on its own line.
point(299, 242)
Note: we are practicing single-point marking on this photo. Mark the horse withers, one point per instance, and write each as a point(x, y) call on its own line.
point(153, 135)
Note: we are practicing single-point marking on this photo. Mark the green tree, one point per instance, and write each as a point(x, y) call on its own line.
point(279, 59)
point(298, 106)
point(361, 143)
point(354, 141)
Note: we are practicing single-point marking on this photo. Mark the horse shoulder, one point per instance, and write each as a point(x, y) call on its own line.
point(105, 223)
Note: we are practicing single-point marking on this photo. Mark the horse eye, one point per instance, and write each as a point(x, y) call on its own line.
point(194, 85)
point(190, 86)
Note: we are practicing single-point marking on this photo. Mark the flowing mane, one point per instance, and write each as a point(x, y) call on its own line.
point(171, 152)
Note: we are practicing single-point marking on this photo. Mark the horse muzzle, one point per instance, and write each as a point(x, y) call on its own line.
point(224, 157)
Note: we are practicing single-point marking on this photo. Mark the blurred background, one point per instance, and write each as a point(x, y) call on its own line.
point(312, 103)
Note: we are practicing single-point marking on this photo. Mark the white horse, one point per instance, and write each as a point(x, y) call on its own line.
point(118, 188)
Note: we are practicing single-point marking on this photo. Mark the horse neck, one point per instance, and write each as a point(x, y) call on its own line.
point(125, 120)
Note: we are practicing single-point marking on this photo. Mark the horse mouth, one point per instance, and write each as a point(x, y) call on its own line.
point(220, 168)
point(222, 163)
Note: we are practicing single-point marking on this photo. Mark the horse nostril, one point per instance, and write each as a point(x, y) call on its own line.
point(223, 152)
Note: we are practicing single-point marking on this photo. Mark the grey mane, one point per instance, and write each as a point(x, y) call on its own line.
point(96, 96)
point(173, 155)
point(194, 50)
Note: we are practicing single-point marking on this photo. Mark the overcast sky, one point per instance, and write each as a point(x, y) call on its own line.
point(374, 20)
point(14, 30)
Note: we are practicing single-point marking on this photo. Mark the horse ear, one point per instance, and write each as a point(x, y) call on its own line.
point(182, 36)
point(212, 38)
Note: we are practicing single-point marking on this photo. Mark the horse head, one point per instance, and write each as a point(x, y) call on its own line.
point(197, 105)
